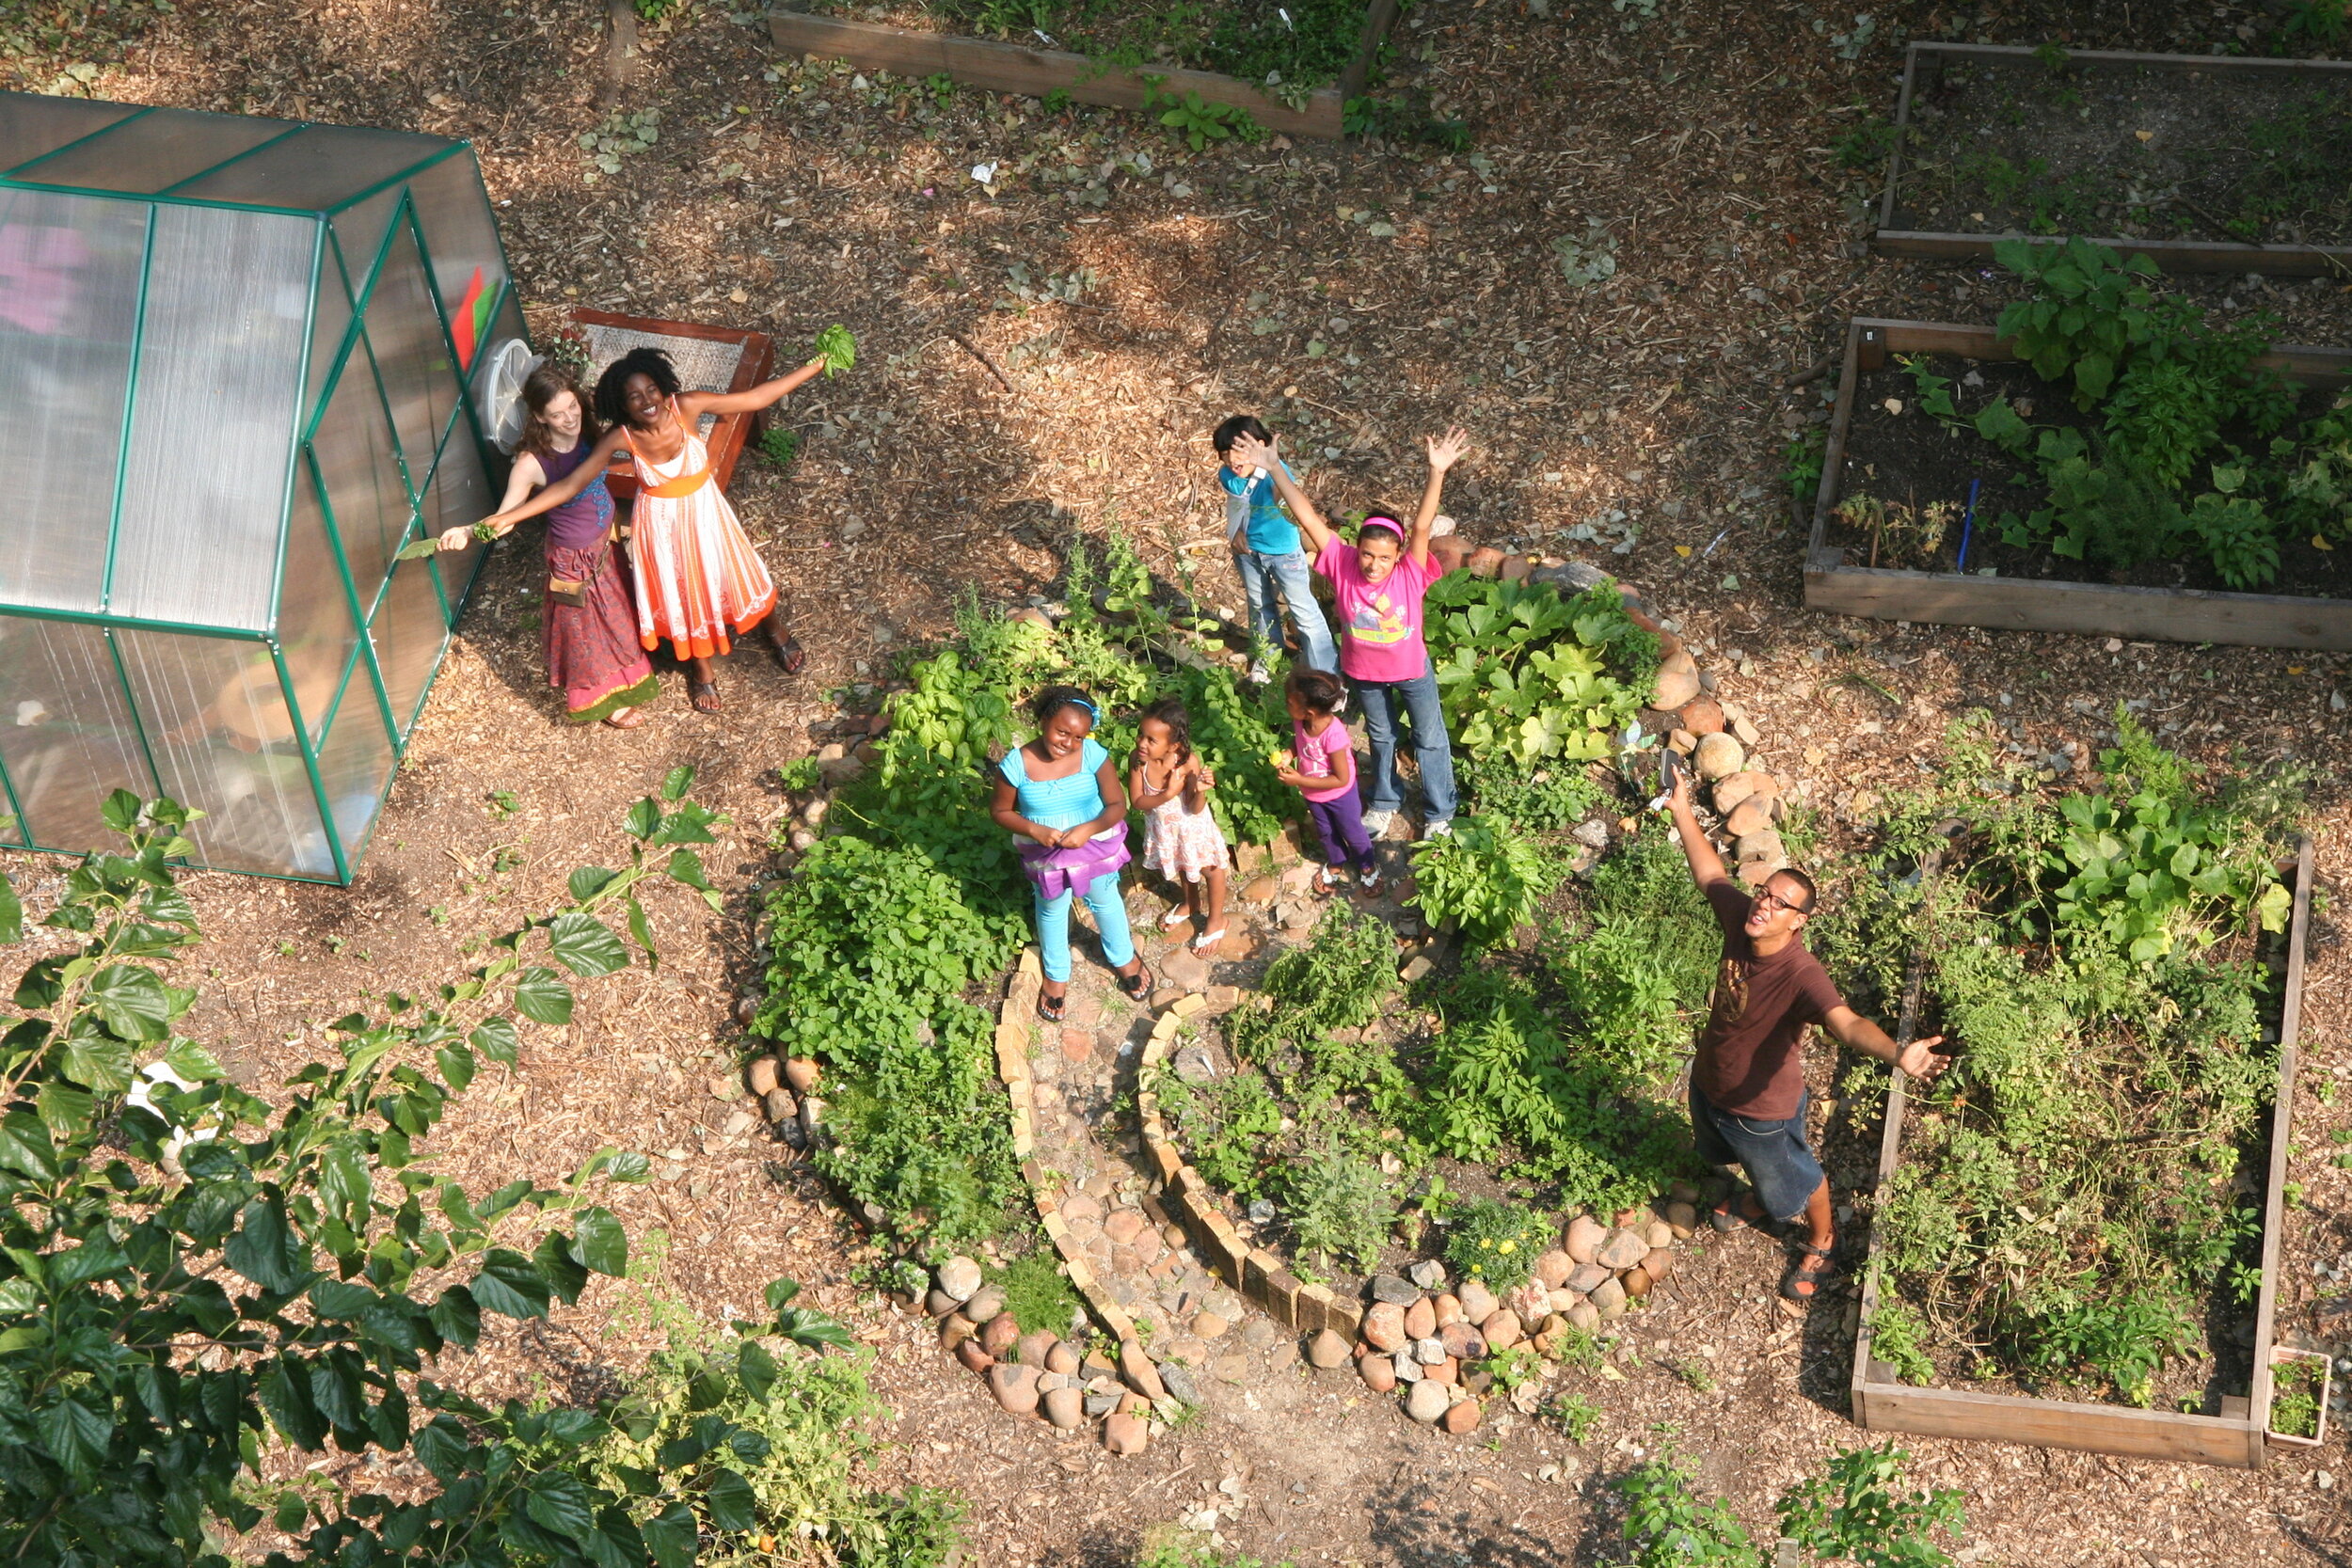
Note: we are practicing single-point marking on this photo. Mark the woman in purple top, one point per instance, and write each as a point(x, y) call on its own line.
point(1378, 584)
point(589, 625)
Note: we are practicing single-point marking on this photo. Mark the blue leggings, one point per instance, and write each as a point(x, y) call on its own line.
point(1110, 919)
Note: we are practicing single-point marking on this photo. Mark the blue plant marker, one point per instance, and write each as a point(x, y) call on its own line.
point(1967, 523)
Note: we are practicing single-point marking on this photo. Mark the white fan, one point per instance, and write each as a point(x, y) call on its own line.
point(511, 362)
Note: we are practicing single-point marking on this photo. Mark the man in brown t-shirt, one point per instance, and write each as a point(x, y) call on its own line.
point(1748, 1093)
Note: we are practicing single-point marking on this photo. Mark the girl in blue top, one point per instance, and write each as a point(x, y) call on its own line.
point(1061, 800)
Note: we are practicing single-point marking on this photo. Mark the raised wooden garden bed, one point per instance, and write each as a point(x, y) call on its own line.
point(2206, 121)
point(2235, 1437)
point(708, 359)
point(1001, 67)
point(1955, 598)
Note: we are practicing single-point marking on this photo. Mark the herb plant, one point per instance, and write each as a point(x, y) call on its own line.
point(2295, 1390)
point(1483, 875)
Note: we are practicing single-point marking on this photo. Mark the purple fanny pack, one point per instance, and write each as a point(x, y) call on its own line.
point(1054, 872)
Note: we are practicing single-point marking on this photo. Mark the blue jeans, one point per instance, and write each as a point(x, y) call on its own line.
point(1384, 790)
point(1110, 919)
point(1780, 1168)
point(1264, 577)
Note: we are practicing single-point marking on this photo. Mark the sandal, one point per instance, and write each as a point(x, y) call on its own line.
point(1208, 939)
point(624, 718)
point(1137, 985)
point(1323, 886)
point(704, 695)
point(1174, 918)
point(1800, 1284)
point(1051, 1008)
point(789, 653)
point(1725, 1218)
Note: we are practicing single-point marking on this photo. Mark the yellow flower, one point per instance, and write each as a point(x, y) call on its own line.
point(1510, 1246)
point(1485, 1241)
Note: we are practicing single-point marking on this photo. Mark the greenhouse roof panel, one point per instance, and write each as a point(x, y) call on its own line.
point(317, 169)
point(150, 153)
point(33, 126)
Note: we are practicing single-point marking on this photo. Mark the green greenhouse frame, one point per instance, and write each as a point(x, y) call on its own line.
point(240, 365)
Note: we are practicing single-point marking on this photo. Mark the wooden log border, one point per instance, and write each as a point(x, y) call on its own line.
point(1001, 67)
point(2271, 261)
point(2234, 1438)
point(2092, 609)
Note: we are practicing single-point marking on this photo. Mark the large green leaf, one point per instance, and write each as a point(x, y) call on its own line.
point(732, 1504)
point(559, 1500)
point(265, 1249)
point(75, 1435)
point(495, 1037)
point(132, 1002)
point(510, 1284)
point(585, 945)
point(600, 1243)
point(540, 996)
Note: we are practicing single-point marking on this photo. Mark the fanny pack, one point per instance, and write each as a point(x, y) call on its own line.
point(573, 591)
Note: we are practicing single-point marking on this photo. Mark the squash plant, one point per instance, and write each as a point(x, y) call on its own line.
point(1526, 673)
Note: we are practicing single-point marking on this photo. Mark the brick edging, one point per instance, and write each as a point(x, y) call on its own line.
point(1014, 1033)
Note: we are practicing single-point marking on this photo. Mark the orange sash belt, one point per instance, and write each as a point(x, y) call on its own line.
point(669, 489)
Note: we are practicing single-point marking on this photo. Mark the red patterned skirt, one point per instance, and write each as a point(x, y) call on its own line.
point(592, 648)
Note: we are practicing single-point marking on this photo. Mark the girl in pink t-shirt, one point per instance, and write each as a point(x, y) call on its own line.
point(1322, 769)
point(1378, 583)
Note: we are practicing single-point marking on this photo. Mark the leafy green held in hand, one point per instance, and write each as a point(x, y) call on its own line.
point(838, 349)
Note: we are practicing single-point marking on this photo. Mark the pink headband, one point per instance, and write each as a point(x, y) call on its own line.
point(1389, 523)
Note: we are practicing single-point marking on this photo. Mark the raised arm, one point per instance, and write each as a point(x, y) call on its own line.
point(1918, 1058)
point(767, 393)
point(563, 490)
point(1706, 867)
point(1251, 452)
point(1444, 452)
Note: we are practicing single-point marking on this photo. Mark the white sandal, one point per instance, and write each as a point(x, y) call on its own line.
point(1208, 939)
point(1174, 918)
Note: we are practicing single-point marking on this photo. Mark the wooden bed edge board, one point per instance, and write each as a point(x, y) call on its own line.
point(2079, 608)
point(1885, 1402)
point(1000, 66)
point(2230, 1441)
point(1895, 145)
point(2121, 57)
point(2281, 1134)
point(1833, 447)
point(2170, 256)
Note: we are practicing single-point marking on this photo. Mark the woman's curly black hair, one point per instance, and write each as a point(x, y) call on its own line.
point(651, 363)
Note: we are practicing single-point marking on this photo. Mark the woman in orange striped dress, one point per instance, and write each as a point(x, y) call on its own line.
point(699, 582)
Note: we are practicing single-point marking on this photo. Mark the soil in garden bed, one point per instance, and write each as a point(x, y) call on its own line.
point(2025, 147)
point(1908, 460)
point(2192, 1381)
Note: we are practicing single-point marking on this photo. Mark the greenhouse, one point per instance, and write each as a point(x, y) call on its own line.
point(234, 363)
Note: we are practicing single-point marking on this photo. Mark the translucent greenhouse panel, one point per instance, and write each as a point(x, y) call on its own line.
point(356, 764)
point(212, 417)
point(366, 499)
point(409, 633)
point(69, 308)
point(223, 741)
point(462, 239)
point(458, 497)
point(153, 152)
point(318, 167)
point(67, 737)
point(314, 624)
point(359, 231)
point(412, 356)
point(331, 324)
point(32, 126)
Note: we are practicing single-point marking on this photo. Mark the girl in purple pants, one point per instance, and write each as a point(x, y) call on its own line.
point(1324, 770)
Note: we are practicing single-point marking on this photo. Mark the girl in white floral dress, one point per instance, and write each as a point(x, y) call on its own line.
point(1181, 838)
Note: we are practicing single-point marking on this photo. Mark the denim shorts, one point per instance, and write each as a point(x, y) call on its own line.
point(1781, 1168)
